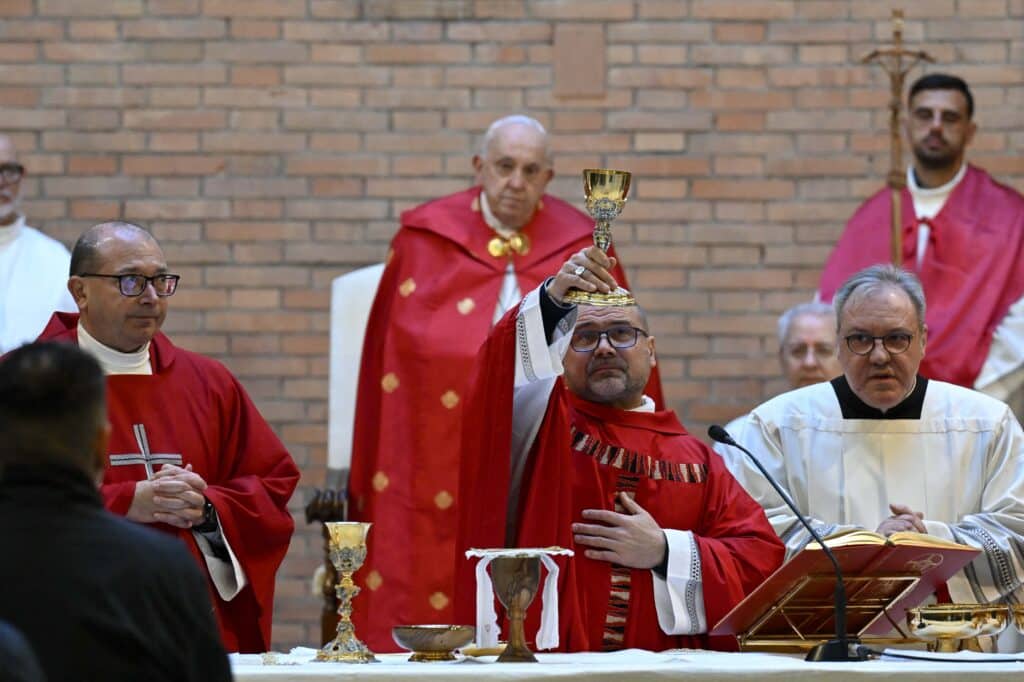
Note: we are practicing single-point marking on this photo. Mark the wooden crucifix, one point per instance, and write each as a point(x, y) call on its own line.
point(897, 62)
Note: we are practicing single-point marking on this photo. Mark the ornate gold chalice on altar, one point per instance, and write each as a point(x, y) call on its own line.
point(948, 625)
point(347, 543)
point(606, 191)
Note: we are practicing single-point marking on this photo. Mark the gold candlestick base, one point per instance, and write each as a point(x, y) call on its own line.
point(348, 552)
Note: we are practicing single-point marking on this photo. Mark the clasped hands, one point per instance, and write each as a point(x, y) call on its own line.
point(903, 519)
point(633, 539)
point(173, 496)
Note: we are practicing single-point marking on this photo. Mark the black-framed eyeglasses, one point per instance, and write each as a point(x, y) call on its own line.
point(133, 285)
point(620, 336)
point(894, 342)
point(11, 172)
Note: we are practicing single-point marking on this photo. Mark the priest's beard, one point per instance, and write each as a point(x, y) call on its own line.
point(617, 389)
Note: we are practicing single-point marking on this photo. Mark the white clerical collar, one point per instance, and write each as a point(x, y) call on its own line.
point(933, 192)
point(114, 361)
point(10, 232)
point(646, 405)
point(491, 220)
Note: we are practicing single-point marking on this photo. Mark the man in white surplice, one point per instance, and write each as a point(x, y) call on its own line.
point(883, 448)
point(33, 267)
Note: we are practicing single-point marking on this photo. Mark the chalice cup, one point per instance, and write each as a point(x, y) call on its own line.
point(952, 626)
point(347, 549)
point(516, 580)
point(606, 191)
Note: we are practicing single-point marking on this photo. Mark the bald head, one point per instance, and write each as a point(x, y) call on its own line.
point(86, 255)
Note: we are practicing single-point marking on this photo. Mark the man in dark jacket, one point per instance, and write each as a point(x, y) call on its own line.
point(96, 596)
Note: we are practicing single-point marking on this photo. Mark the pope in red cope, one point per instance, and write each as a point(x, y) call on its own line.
point(574, 454)
point(189, 452)
point(963, 236)
point(455, 266)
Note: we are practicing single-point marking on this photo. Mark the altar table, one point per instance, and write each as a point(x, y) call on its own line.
point(692, 666)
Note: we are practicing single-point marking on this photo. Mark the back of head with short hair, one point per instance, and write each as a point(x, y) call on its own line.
point(799, 310)
point(943, 81)
point(879, 276)
point(52, 405)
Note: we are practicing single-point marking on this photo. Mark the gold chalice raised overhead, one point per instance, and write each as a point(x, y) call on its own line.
point(606, 192)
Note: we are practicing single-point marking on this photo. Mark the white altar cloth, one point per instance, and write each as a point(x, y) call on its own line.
point(630, 665)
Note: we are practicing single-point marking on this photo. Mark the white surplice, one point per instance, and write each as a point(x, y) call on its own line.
point(538, 365)
point(33, 283)
point(961, 464)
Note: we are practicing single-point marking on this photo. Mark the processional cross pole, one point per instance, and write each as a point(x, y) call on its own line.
point(897, 62)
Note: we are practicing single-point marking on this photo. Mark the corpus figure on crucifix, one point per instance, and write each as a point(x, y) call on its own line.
point(958, 229)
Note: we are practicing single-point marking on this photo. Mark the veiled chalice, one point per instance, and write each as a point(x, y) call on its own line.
point(606, 192)
point(948, 624)
point(516, 580)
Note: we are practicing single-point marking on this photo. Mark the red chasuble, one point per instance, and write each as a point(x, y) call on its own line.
point(434, 307)
point(971, 271)
point(584, 455)
point(193, 411)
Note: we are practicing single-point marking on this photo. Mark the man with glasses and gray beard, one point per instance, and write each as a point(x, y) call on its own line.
point(883, 448)
point(33, 267)
point(189, 453)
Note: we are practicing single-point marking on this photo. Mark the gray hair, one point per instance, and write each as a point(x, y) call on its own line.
point(816, 308)
point(879, 276)
point(514, 119)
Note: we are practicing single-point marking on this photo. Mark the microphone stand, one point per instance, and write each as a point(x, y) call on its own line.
point(839, 648)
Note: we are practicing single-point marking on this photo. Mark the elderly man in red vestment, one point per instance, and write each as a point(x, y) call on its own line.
point(455, 266)
point(963, 235)
point(666, 541)
point(188, 453)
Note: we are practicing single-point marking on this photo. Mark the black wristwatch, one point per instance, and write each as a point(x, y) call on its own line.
point(210, 522)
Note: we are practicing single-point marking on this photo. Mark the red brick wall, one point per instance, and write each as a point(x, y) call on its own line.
point(270, 144)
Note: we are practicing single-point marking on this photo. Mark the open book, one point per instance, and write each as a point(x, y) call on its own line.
point(884, 577)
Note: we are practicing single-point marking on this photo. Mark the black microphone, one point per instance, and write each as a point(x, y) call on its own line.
point(842, 648)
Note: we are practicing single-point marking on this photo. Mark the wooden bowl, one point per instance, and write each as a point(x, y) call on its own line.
point(432, 642)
